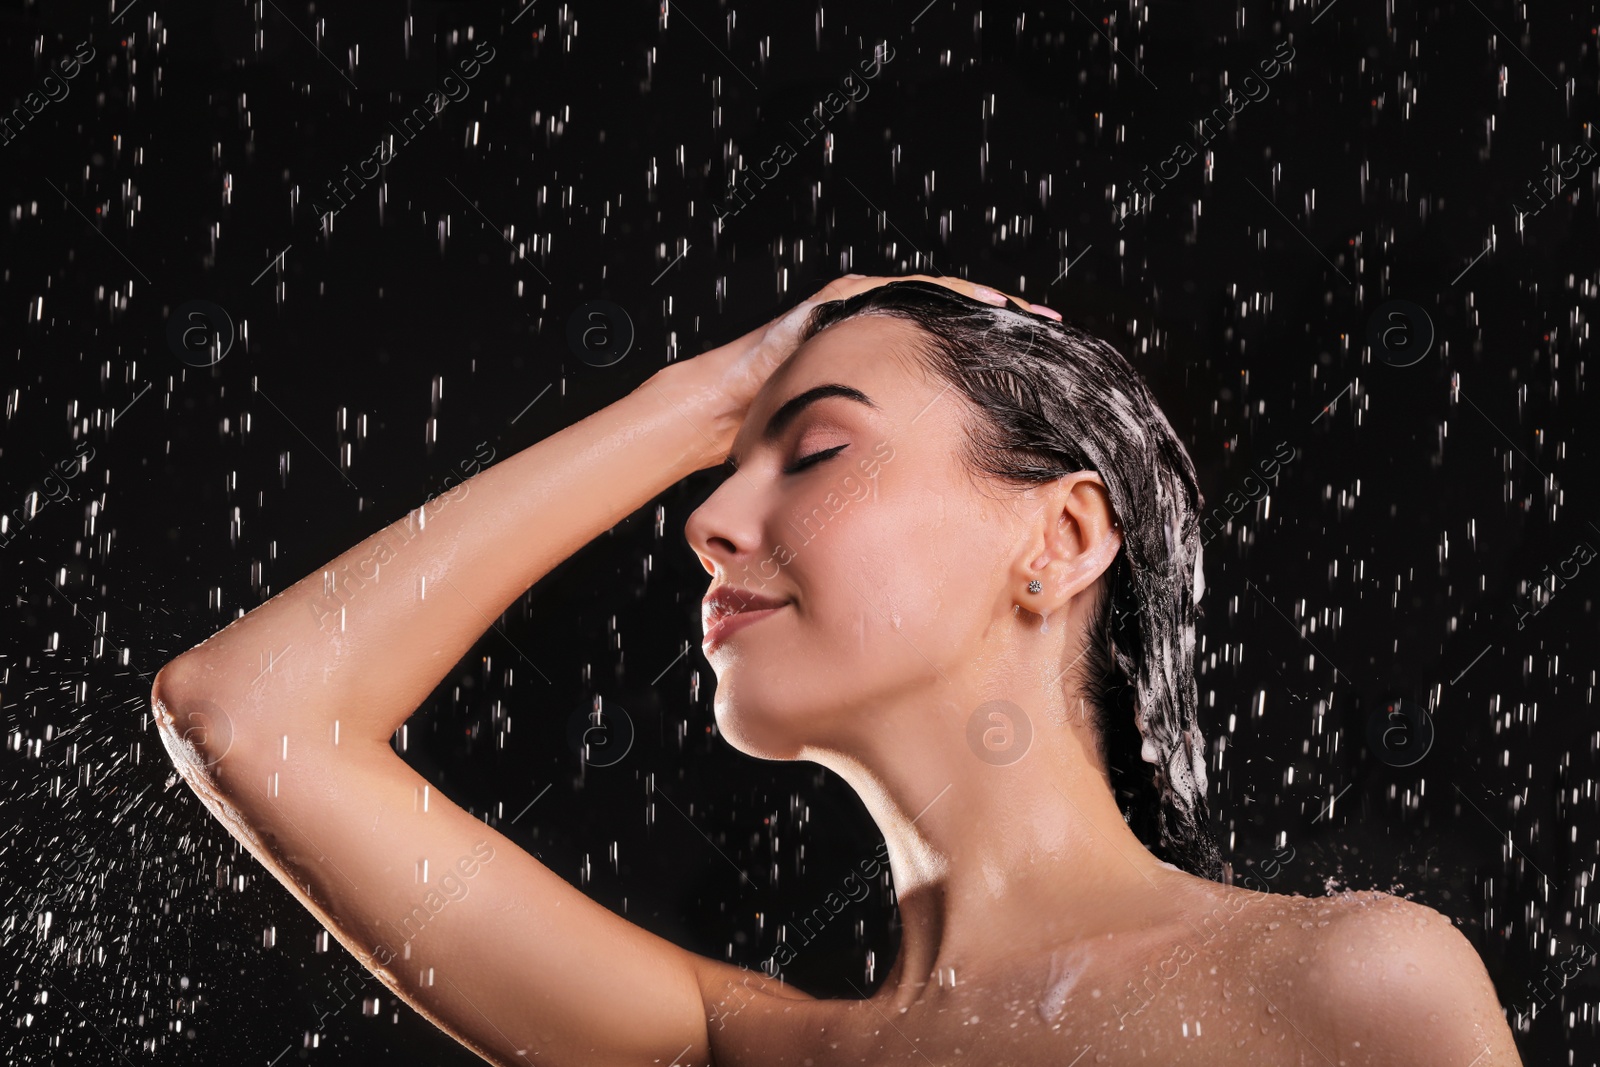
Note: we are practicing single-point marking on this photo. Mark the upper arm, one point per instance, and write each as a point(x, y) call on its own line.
point(1393, 982)
point(469, 929)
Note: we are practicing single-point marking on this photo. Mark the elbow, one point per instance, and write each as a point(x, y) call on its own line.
point(195, 730)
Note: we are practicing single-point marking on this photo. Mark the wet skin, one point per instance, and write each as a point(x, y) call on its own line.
point(1061, 930)
point(1234, 977)
point(1022, 879)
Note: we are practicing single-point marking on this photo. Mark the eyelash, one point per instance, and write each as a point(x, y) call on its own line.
point(813, 459)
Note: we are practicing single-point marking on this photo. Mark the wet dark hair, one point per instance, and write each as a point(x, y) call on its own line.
point(1052, 399)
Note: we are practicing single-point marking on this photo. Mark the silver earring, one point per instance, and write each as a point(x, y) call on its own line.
point(1034, 586)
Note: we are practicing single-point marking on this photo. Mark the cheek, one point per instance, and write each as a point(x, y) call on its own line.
point(850, 571)
point(943, 586)
point(887, 582)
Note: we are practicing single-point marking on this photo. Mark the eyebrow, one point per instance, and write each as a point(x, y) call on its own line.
point(791, 409)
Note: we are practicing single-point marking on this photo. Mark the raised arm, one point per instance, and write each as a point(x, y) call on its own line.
point(296, 761)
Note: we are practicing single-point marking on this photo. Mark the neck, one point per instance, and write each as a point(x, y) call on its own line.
point(991, 860)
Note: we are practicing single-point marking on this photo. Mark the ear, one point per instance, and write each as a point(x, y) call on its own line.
point(1074, 543)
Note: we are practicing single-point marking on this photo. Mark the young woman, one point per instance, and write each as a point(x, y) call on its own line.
point(956, 560)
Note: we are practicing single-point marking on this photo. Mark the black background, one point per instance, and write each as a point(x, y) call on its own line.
point(1395, 561)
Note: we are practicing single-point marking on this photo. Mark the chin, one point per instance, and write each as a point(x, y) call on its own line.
point(751, 729)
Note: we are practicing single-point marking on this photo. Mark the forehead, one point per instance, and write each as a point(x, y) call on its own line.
point(875, 353)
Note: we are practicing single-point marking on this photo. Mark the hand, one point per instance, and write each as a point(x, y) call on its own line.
point(736, 371)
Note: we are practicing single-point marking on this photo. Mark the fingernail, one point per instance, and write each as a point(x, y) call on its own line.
point(1054, 314)
point(989, 296)
point(855, 275)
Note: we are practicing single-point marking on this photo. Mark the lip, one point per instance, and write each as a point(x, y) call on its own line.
point(727, 608)
point(728, 625)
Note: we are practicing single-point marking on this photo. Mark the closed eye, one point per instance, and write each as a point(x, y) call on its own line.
point(813, 459)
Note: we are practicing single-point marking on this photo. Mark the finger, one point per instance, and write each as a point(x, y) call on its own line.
point(851, 284)
point(978, 292)
point(1017, 300)
point(846, 286)
point(995, 296)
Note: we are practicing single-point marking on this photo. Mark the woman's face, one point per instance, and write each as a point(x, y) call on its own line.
point(893, 565)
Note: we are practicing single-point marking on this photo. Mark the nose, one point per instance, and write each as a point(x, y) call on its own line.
point(725, 531)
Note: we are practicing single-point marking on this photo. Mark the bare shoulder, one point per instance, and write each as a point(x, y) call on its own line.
point(1386, 978)
point(1362, 938)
